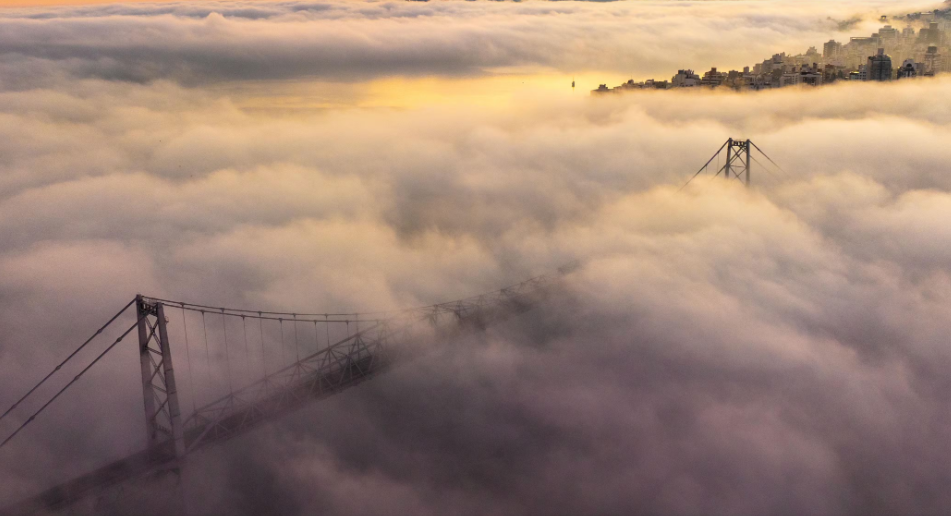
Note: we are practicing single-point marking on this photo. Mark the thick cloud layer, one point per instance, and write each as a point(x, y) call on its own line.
point(201, 42)
point(721, 350)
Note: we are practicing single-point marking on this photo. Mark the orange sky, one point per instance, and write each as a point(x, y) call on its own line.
point(31, 3)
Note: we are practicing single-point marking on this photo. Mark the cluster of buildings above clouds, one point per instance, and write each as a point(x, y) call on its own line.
point(889, 54)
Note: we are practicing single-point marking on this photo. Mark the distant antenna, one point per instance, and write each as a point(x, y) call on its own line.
point(738, 164)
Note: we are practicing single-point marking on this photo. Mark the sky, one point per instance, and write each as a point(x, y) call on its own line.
point(723, 350)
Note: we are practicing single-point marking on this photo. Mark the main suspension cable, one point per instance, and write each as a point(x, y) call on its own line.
point(764, 167)
point(70, 384)
point(705, 165)
point(379, 315)
point(784, 173)
point(197, 307)
point(71, 355)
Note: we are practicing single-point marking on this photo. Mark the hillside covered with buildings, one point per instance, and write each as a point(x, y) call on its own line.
point(920, 48)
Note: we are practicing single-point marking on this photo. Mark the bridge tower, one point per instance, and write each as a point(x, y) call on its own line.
point(163, 419)
point(737, 160)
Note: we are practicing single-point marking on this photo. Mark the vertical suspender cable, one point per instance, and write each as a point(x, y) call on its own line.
point(263, 354)
point(283, 359)
point(224, 328)
point(188, 357)
point(247, 348)
point(296, 341)
point(204, 330)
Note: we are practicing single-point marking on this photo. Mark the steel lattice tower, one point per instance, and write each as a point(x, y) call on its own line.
point(737, 160)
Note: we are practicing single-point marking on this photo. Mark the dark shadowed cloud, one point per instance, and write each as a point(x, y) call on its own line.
point(201, 42)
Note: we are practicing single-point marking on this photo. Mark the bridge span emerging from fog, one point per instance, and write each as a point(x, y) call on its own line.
point(297, 358)
point(336, 351)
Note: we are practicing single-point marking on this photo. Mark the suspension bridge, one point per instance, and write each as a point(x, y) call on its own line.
point(299, 358)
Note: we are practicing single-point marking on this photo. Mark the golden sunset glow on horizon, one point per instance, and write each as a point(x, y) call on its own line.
point(54, 3)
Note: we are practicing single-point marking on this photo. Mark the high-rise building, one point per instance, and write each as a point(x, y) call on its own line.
point(879, 67)
point(831, 49)
point(934, 33)
point(830, 74)
point(932, 61)
point(930, 35)
point(888, 32)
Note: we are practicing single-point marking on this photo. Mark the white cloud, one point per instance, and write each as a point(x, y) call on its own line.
point(780, 349)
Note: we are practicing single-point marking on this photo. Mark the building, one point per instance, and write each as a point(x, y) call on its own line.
point(909, 69)
point(830, 50)
point(757, 82)
point(713, 78)
point(888, 32)
point(859, 41)
point(879, 67)
point(931, 35)
point(685, 79)
point(805, 76)
point(932, 64)
point(830, 73)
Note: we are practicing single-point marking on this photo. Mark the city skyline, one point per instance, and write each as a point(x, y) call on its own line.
point(921, 52)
